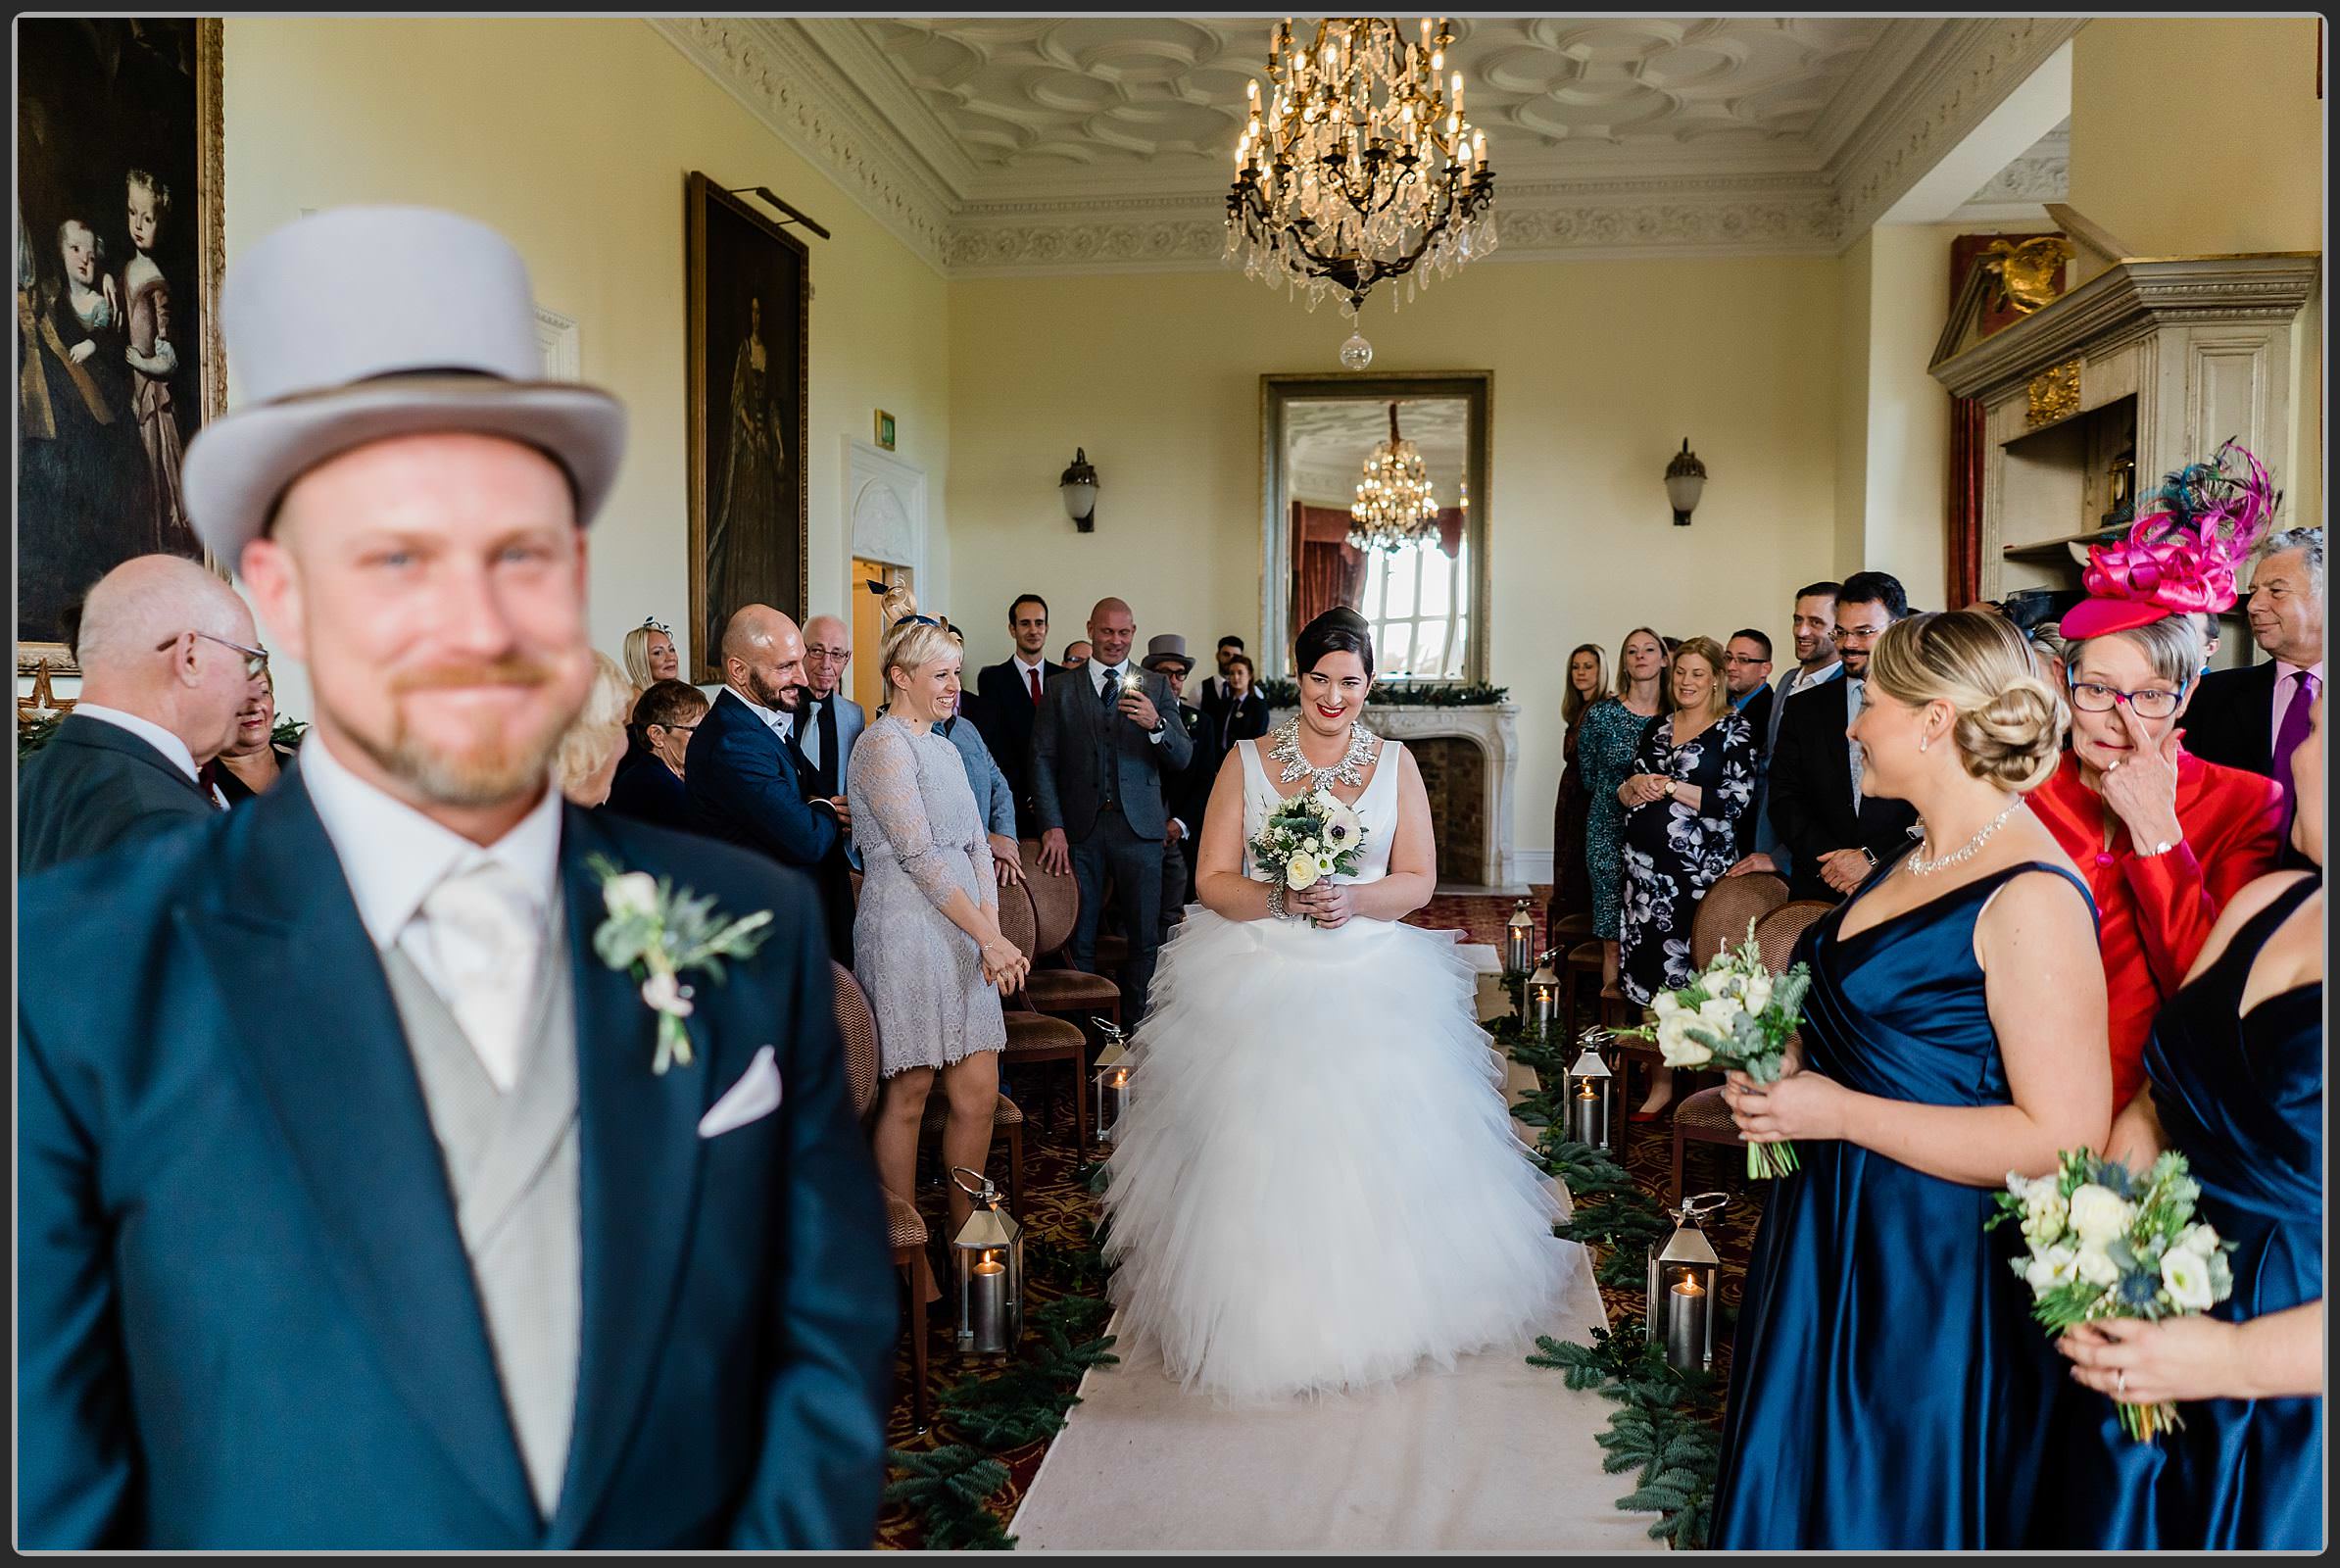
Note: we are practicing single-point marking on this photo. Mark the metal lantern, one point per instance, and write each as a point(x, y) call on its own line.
point(987, 1259)
point(1589, 1091)
point(1109, 1081)
point(1519, 939)
point(1544, 999)
point(1683, 1276)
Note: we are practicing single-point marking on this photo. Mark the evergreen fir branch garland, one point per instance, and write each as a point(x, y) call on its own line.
point(1282, 694)
point(946, 1488)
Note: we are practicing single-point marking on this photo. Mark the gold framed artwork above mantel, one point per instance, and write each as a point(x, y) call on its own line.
point(123, 360)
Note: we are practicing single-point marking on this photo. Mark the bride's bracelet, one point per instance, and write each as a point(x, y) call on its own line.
point(1276, 902)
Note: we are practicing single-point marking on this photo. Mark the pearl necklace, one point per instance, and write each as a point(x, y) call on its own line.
point(1920, 867)
point(1349, 770)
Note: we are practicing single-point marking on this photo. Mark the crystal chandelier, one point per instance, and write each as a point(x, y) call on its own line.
point(1395, 510)
point(1361, 166)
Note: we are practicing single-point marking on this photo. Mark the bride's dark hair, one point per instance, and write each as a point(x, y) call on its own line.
point(1338, 630)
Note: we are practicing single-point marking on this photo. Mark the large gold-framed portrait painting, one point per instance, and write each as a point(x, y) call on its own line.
point(751, 296)
point(120, 241)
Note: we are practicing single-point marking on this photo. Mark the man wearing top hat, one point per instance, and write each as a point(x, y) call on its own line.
point(352, 1212)
point(1184, 793)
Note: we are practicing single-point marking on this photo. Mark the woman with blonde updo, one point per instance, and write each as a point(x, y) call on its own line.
point(596, 739)
point(927, 945)
point(1888, 1389)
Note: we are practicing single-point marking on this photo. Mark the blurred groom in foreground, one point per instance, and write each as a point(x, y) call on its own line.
point(351, 1211)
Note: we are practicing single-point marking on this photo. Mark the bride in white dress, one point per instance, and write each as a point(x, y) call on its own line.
point(1317, 1185)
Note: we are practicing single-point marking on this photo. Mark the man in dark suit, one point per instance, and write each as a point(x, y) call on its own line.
point(1837, 834)
point(743, 776)
point(1008, 696)
point(2256, 717)
point(425, 1252)
point(1746, 673)
point(167, 659)
point(1215, 696)
point(1103, 748)
point(1185, 794)
point(1245, 716)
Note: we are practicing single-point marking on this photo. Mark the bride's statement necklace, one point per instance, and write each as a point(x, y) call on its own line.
point(1350, 770)
point(1920, 867)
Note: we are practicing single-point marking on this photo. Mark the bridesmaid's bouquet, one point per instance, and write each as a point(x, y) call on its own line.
point(2105, 1243)
point(1736, 1014)
point(1309, 837)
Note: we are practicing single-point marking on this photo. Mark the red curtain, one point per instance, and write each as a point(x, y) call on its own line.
point(1965, 502)
point(1327, 569)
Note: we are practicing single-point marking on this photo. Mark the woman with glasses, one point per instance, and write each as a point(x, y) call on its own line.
point(253, 760)
point(2163, 837)
point(653, 791)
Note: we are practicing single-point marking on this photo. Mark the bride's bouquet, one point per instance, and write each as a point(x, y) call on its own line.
point(1309, 837)
point(1736, 1014)
point(2105, 1243)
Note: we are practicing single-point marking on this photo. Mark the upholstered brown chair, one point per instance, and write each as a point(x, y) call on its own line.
point(1579, 972)
point(1729, 907)
point(1058, 989)
point(1034, 1036)
point(1570, 929)
point(905, 1228)
point(1776, 932)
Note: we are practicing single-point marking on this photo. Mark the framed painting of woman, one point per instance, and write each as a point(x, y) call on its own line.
point(750, 298)
point(120, 242)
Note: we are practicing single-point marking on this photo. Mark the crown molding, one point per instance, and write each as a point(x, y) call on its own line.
point(1966, 71)
point(829, 93)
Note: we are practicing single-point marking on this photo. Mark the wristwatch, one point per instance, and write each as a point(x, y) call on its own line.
point(1672, 785)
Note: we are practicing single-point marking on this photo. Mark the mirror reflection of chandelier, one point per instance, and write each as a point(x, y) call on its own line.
point(1360, 167)
point(1394, 508)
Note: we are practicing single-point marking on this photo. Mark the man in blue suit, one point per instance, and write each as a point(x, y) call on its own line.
point(745, 774)
point(353, 1211)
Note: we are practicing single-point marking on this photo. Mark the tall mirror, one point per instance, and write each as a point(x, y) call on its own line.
point(1375, 496)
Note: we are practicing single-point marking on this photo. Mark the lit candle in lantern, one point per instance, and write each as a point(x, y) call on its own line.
point(987, 1306)
point(1686, 1324)
point(1585, 1114)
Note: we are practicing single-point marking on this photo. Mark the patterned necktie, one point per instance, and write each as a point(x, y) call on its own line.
point(1853, 687)
point(485, 933)
point(1109, 692)
point(2294, 730)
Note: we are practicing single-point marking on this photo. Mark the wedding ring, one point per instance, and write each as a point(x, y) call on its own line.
point(2113, 763)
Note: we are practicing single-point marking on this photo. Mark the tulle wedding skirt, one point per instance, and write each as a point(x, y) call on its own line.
point(1317, 1184)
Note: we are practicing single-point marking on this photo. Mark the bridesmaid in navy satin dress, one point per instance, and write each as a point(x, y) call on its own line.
point(1888, 1389)
point(2235, 1064)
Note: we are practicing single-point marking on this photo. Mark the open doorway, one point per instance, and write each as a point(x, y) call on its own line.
point(868, 680)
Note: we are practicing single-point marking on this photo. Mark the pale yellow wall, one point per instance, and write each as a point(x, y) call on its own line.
point(2194, 135)
point(1855, 278)
point(2243, 172)
point(575, 138)
point(1600, 369)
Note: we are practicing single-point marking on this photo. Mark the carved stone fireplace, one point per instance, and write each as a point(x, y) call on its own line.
point(1468, 756)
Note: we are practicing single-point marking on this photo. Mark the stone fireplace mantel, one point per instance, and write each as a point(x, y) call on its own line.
point(1494, 729)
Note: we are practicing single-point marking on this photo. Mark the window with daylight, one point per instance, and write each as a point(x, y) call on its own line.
point(1419, 600)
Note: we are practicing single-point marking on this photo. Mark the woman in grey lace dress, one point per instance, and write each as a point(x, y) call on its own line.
point(927, 946)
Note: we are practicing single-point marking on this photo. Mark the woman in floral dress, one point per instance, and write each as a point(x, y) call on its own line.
point(1691, 778)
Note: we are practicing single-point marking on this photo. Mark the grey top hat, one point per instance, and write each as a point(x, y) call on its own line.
point(365, 322)
point(1169, 644)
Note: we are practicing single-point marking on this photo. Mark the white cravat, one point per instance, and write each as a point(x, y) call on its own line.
point(1855, 688)
point(486, 934)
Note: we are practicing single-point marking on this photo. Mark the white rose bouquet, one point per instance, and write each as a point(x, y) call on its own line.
point(1736, 1014)
point(2102, 1242)
point(1310, 836)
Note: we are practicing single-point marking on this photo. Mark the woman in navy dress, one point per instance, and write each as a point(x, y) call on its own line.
point(664, 718)
point(1888, 1389)
point(2235, 1067)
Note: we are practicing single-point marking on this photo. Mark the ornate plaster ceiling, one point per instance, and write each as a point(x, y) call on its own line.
point(1018, 144)
point(1326, 443)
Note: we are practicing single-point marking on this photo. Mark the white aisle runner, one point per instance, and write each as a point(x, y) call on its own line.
point(1494, 1455)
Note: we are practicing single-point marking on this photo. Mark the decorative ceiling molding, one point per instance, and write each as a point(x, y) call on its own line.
point(1006, 146)
point(2020, 192)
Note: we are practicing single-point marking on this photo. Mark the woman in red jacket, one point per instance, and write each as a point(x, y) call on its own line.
point(2163, 837)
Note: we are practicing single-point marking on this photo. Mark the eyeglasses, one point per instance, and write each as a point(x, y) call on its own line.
point(2091, 697)
point(256, 659)
point(1744, 659)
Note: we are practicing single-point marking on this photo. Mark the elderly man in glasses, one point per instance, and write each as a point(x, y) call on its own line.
point(167, 659)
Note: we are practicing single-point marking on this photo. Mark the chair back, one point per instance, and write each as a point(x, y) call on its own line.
point(1727, 908)
point(1017, 922)
point(1055, 900)
point(858, 1025)
point(1776, 932)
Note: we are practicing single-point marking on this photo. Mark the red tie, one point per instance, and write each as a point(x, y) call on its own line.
point(1033, 675)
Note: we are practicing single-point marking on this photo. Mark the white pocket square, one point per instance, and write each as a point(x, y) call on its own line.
point(754, 1097)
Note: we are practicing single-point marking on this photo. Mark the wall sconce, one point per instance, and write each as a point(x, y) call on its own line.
point(1686, 481)
point(1079, 489)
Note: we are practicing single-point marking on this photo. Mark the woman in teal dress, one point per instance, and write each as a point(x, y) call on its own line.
point(1605, 755)
point(2235, 1066)
point(1888, 1389)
